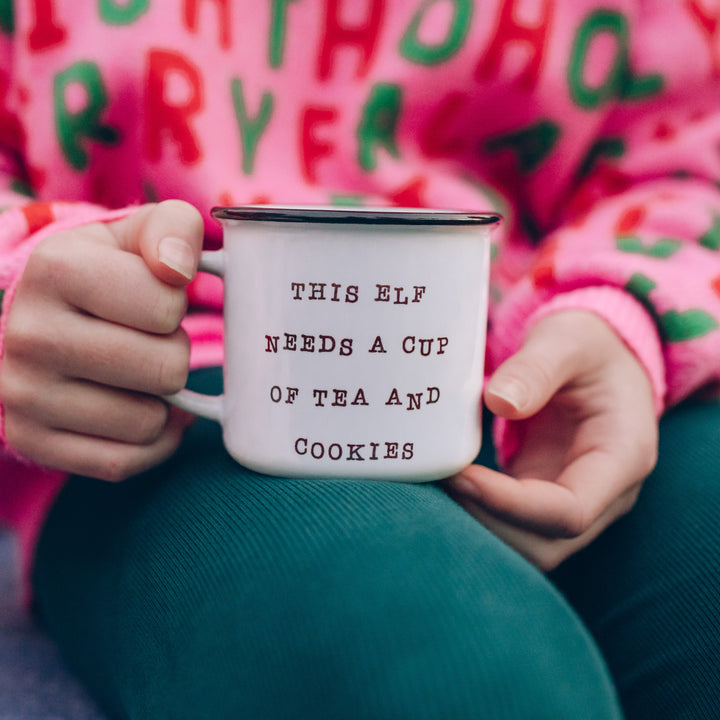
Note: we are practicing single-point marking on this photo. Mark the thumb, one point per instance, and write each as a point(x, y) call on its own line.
point(168, 236)
point(526, 381)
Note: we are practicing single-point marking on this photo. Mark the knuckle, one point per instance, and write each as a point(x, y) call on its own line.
point(50, 260)
point(172, 366)
point(10, 391)
point(21, 396)
point(31, 342)
point(648, 449)
point(169, 310)
point(17, 437)
point(540, 373)
point(549, 561)
point(572, 525)
point(23, 337)
point(150, 421)
point(32, 441)
point(30, 339)
point(627, 502)
point(548, 556)
point(182, 209)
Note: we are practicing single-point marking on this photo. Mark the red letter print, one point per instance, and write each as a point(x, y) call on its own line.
point(434, 141)
point(190, 17)
point(710, 25)
point(165, 117)
point(312, 147)
point(509, 31)
point(45, 33)
point(335, 35)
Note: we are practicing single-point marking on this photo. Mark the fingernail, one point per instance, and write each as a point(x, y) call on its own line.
point(510, 390)
point(177, 255)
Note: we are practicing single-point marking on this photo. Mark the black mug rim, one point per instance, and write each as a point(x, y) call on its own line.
point(337, 214)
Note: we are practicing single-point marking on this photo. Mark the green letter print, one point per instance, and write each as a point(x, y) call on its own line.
point(72, 127)
point(278, 25)
point(662, 248)
point(379, 124)
point(7, 17)
point(251, 129)
point(711, 239)
point(605, 147)
point(619, 82)
point(123, 13)
point(531, 144)
point(414, 50)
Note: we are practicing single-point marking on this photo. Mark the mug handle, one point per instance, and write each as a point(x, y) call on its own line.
point(207, 406)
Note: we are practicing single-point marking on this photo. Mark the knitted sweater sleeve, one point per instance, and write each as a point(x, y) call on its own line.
point(639, 239)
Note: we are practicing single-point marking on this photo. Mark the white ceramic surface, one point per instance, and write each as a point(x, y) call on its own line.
point(354, 341)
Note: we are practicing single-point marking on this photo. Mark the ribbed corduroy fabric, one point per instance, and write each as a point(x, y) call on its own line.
point(202, 590)
point(649, 587)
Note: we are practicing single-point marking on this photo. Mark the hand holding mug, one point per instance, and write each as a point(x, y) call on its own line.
point(583, 409)
point(93, 338)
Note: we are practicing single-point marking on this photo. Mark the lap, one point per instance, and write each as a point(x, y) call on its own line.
point(204, 590)
point(649, 587)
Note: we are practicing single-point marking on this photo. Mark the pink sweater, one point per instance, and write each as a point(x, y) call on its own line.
point(593, 126)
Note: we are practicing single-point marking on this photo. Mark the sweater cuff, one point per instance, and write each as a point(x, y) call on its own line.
point(630, 321)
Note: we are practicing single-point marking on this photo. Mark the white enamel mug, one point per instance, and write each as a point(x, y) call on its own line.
point(354, 340)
